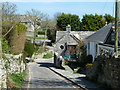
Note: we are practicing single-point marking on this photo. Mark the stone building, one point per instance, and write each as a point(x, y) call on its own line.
point(66, 44)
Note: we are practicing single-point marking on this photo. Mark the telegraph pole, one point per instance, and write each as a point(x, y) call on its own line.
point(0, 31)
point(116, 27)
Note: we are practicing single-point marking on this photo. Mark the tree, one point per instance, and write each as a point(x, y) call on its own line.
point(92, 22)
point(51, 29)
point(64, 19)
point(109, 18)
point(8, 10)
point(35, 17)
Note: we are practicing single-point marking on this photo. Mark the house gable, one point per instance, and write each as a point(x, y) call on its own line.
point(100, 35)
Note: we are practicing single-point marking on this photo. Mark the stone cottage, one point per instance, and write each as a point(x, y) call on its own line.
point(66, 44)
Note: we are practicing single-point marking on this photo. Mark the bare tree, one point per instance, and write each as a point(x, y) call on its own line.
point(8, 10)
point(35, 17)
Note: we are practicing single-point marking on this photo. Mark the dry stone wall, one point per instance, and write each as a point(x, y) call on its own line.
point(106, 70)
point(8, 65)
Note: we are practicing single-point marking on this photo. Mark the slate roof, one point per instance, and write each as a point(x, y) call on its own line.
point(100, 35)
point(80, 35)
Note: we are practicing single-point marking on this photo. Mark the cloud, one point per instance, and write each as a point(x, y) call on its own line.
point(57, 0)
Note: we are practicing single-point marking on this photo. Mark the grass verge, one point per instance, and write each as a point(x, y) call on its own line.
point(48, 55)
point(36, 37)
point(16, 80)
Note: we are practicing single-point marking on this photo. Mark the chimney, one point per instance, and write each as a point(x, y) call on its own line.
point(68, 28)
point(106, 23)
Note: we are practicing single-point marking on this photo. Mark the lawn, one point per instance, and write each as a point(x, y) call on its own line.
point(48, 55)
point(36, 37)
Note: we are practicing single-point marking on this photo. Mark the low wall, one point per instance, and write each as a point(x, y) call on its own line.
point(58, 60)
point(105, 70)
point(10, 64)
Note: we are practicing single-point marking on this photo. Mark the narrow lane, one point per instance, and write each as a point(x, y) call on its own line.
point(42, 77)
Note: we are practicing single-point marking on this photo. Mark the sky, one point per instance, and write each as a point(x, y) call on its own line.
point(78, 7)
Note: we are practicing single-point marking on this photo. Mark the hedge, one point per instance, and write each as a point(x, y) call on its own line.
point(29, 48)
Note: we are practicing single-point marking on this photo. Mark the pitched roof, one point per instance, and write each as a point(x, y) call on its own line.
point(100, 35)
point(80, 35)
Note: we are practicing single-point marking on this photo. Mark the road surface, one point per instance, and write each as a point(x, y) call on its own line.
point(40, 76)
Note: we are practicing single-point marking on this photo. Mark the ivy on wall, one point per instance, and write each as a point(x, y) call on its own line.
point(16, 37)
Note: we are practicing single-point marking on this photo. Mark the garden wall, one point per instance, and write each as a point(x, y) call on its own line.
point(105, 70)
point(10, 64)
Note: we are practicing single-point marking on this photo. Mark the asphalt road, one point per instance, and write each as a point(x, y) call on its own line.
point(40, 76)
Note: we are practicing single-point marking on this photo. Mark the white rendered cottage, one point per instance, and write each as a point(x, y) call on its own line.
point(102, 41)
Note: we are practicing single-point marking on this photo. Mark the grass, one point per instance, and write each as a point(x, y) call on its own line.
point(36, 37)
point(48, 55)
point(16, 80)
point(76, 71)
point(41, 50)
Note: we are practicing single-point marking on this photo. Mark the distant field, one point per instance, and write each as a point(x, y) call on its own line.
point(36, 37)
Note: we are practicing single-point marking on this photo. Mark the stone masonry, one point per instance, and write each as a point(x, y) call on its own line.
point(10, 64)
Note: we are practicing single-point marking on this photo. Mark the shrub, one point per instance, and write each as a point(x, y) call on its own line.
point(41, 32)
point(29, 49)
point(16, 37)
point(48, 55)
point(89, 65)
point(76, 70)
point(5, 47)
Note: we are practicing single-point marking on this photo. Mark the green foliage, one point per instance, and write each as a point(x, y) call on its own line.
point(41, 49)
point(18, 79)
point(51, 34)
point(89, 65)
point(5, 47)
point(95, 22)
point(29, 49)
point(109, 18)
point(92, 22)
point(64, 19)
point(16, 37)
point(77, 69)
point(48, 55)
point(41, 32)
point(35, 38)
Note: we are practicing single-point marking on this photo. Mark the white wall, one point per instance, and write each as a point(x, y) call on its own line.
point(92, 50)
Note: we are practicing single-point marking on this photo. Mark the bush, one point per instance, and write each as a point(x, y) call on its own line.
point(77, 70)
point(5, 47)
point(29, 49)
point(48, 55)
point(16, 37)
point(41, 32)
point(89, 65)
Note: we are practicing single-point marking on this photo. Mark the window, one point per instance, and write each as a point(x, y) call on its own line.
point(113, 37)
point(96, 49)
point(89, 48)
point(62, 47)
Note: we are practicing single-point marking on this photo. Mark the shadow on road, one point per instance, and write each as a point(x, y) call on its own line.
point(45, 64)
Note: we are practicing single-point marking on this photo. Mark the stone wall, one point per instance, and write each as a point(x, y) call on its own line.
point(58, 60)
point(105, 70)
point(8, 65)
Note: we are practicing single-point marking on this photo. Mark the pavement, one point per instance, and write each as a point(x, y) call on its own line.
point(43, 73)
point(78, 79)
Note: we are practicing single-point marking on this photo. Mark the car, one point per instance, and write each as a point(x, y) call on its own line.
point(27, 59)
